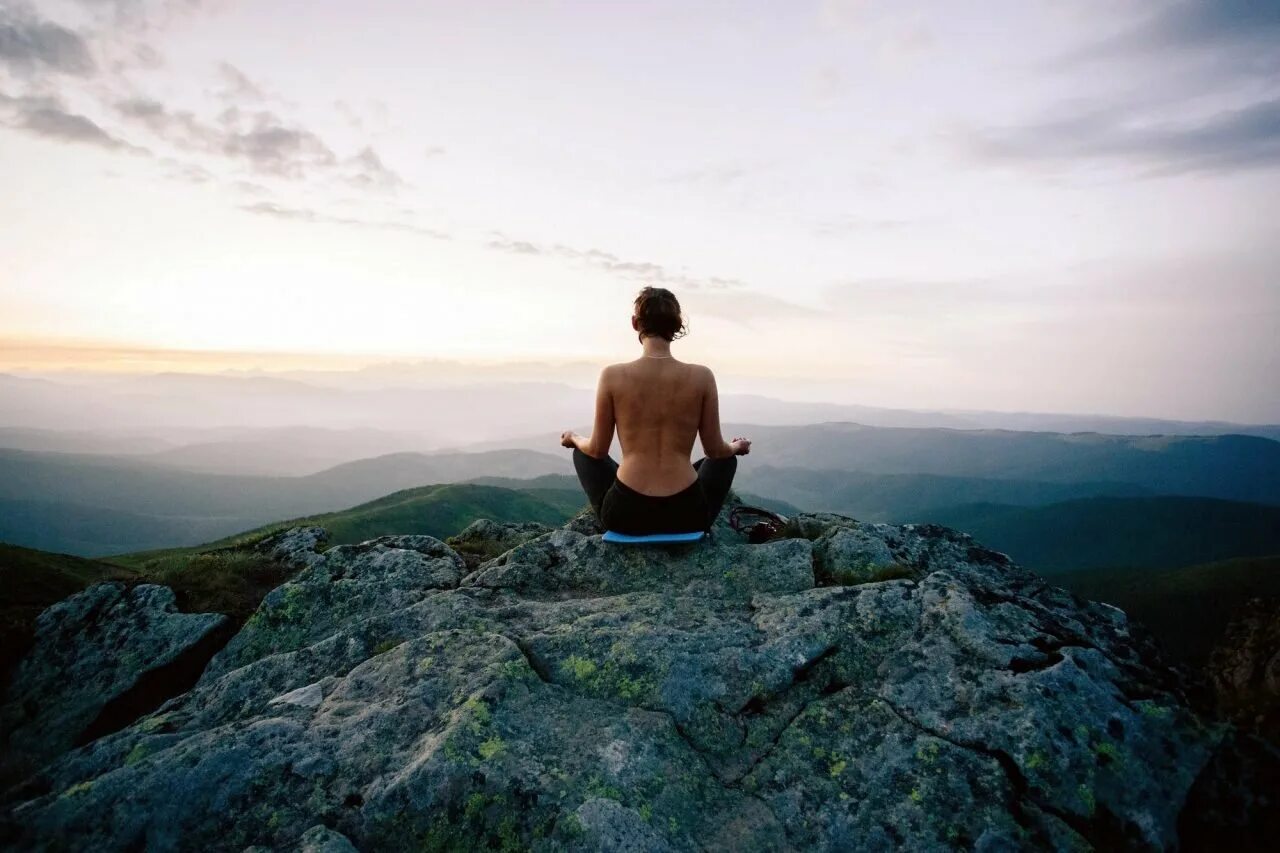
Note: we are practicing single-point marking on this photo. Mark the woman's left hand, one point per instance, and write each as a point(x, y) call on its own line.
point(566, 439)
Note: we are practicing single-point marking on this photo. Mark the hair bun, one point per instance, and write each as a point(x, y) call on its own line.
point(658, 314)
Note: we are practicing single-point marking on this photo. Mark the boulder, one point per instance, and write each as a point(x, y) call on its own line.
point(1244, 668)
point(93, 654)
point(484, 539)
point(851, 686)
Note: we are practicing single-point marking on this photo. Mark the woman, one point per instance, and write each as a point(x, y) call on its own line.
point(659, 405)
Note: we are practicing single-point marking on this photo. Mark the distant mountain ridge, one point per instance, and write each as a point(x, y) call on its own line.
point(444, 413)
point(872, 472)
point(1231, 467)
point(137, 505)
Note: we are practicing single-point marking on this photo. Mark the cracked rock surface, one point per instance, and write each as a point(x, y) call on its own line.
point(568, 694)
point(89, 650)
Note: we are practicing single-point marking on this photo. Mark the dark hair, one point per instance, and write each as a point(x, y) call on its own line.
point(658, 314)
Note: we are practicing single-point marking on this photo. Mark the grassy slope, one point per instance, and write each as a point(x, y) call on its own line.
point(440, 510)
point(1188, 607)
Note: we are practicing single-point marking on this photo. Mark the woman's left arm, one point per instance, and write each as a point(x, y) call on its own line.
point(601, 439)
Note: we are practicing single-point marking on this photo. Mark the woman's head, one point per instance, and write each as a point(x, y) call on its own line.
point(657, 315)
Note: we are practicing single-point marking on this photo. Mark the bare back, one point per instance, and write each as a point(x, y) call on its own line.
point(660, 405)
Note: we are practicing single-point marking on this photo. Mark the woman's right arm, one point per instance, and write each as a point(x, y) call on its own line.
point(713, 444)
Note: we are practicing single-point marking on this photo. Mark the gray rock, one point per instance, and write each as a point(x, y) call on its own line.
point(309, 696)
point(484, 539)
point(572, 694)
point(586, 523)
point(345, 584)
point(1244, 668)
point(321, 839)
point(610, 827)
point(297, 546)
point(846, 555)
point(89, 650)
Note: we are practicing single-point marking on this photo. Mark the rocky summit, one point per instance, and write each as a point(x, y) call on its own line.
point(848, 686)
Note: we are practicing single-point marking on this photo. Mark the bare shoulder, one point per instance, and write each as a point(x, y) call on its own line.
point(610, 373)
point(703, 374)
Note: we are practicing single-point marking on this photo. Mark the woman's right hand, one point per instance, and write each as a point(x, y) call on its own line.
point(741, 446)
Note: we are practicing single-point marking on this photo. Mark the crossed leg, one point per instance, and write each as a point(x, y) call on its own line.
point(595, 475)
point(715, 476)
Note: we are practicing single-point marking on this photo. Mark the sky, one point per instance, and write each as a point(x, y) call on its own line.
point(1047, 206)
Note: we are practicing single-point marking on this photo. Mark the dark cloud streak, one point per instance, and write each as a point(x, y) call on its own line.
point(1182, 55)
point(31, 45)
point(263, 140)
point(50, 118)
point(70, 127)
point(1231, 140)
point(1190, 25)
point(260, 138)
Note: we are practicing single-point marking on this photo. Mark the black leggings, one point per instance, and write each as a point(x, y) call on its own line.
point(625, 510)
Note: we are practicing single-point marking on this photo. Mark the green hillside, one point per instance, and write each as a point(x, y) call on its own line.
point(440, 510)
point(89, 505)
point(1187, 608)
point(32, 580)
point(1095, 533)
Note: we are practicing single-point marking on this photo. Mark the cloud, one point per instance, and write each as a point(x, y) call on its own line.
point(31, 45)
point(639, 271)
point(516, 247)
point(1231, 140)
point(191, 173)
point(1196, 25)
point(263, 140)
point(299, 214)
point(1161, 75)
point(268, 208)
point(237, 87)
point(260, 138)
point(50, 118)
point(270, 145)
point(68, 127)
point(370, 171)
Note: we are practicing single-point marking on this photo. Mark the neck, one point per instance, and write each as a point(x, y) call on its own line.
point(657, 348)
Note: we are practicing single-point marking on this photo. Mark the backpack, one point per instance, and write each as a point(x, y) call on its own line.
point(759, 525)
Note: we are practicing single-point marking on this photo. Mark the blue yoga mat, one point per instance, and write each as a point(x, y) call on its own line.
point(653, 538)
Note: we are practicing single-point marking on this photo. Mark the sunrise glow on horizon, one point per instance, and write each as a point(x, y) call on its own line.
point(1046, 206)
